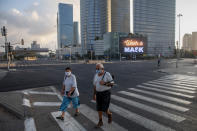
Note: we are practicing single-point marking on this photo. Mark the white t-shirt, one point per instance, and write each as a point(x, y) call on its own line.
point(106, 78)
point(69, 82)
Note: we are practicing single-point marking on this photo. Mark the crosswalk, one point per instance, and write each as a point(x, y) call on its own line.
point(167, 98)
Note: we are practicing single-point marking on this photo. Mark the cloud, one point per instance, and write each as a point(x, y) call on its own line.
point(16, 12)
point(35, 16)
point(37, 21)
point(36, 4)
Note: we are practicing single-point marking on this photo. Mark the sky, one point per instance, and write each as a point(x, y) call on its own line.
point(36, 20)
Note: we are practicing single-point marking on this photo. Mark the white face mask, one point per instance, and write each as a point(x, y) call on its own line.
point(67, 73)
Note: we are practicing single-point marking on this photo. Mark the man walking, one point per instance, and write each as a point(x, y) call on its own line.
point(102, 92)
point(70, 92)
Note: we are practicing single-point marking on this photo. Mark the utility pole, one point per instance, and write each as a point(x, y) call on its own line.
point(179, 43)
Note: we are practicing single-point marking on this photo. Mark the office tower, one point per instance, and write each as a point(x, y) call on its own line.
point(64, 25)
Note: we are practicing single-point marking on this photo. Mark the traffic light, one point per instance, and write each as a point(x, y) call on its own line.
point(9, 47)
point(4, 31)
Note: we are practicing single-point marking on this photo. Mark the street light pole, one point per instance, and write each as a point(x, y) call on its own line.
point(178, 45)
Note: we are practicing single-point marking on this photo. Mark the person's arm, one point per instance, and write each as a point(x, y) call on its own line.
point(94, 95)
point(94, 84)
point(74, 85)
point(110, 81)
point(63, 89)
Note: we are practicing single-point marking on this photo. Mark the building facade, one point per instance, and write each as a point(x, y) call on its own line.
point(101, 16)
point(64, 25)
point(187, 42)
point(120, 15)
point(75, 33)
point(156, 20)
point(194, 41)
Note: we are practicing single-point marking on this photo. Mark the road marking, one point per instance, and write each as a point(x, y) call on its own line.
point(180, 76)
point(140, 120)
point(41, 93)
point(92, 115)
point(57, 92)
point(171, 85)
point(26, 102)
point(69, 123)
point(164, 91)
point(162, 96)
point(25, 92)
point(173, 89)
point(29, 124)
point(155, 101)
point(149, 109)
point(47, 103)
point(180, 79)
point(175, 83)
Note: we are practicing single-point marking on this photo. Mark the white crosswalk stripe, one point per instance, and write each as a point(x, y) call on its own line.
point(162, 96)
point(171, 85)
point(41, 93)
point(140, 120)
point(165, 91)
point(155, 101)
point(180, 79)
point(92, 115)
point(47, 103)
point(169, 88)
point(176, 83)
point(149, 109)
point(29, 124)
point(69, 123)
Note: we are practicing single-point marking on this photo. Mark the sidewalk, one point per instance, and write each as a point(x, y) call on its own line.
point(12, 102)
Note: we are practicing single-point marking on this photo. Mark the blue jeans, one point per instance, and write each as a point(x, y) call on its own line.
point(66, 102)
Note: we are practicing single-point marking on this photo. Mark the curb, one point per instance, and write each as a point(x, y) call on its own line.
point(11, 109)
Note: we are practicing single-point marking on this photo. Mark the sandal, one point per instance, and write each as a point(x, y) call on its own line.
point(76, 114)
point(110, 118)
point(60, 118)
point(100, 123)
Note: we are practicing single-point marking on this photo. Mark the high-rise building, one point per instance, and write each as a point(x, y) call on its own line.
point(120, 15)
point(187, 42)
point(93, 21)
point(101, 16)
point(194, 41)
point(76, 33)
point(156, 20)
point(64, 25)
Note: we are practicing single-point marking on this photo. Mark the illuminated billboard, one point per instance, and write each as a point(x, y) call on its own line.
point(133, 45)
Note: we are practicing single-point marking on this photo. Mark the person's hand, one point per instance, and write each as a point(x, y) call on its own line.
point(62, 92)
point(102, 82)
point(94, 97)
point(69, 94)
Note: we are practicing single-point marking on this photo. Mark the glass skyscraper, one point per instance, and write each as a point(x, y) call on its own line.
point(156, 20)
point(101, 16)
point(64, 25)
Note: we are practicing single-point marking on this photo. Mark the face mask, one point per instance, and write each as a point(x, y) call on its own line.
point(99, 71)
point(67, 73)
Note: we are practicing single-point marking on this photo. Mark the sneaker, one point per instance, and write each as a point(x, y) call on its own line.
point(100, 123)
point(60, 118)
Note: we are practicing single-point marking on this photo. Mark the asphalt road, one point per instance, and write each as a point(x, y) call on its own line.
point(171, 108)
point(38, 76)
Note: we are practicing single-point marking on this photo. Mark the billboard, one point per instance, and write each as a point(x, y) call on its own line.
point(133, 45)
